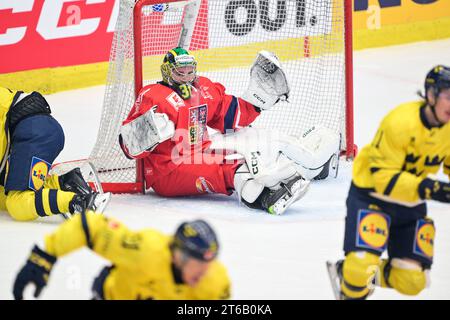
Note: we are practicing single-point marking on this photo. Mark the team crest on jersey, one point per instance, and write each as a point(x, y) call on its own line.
point(197, 124)
point(38, 172)
point(373, 230)
point(424, 238)
point(175, 100)
point(203, 185)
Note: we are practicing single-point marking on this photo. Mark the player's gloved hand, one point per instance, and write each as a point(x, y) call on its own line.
point(434, 189)
point(36, 270)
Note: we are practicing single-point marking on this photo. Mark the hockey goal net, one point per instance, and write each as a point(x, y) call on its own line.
point(312, 38)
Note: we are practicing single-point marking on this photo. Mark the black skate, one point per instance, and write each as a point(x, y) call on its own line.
point(73, 181)
point(94, 201)
point(277, 201)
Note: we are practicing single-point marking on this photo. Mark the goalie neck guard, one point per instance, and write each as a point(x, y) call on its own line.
point(197, 239)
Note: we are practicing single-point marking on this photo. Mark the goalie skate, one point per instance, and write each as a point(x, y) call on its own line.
point(277, 201)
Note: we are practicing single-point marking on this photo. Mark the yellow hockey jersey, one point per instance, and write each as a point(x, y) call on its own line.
point(142, 260)
point(404, 151)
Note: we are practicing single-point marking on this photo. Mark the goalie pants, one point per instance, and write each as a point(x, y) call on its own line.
point(196, 179)
point(374, 226)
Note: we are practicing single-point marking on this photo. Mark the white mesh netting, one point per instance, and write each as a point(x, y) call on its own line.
point(307, 36)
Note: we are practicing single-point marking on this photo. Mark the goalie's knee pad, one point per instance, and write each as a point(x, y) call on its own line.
point(358, 272)
point(405, 276)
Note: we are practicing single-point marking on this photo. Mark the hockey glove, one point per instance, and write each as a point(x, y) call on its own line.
point(434, 189)
point(36, 270)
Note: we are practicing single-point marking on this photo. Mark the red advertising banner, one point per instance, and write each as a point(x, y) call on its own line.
point(39, 34)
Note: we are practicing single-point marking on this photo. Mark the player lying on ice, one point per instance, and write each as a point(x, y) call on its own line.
point(167, 128)
point(386, 206)
point(146, 264)
point(30, 140)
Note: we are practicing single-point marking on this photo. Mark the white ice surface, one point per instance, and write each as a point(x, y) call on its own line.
point(267, 257)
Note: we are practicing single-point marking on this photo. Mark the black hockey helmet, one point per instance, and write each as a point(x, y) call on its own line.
point(437, 79)
point(197, 239)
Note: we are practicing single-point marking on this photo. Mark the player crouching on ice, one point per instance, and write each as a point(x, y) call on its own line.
point(386, 206)
point(30, 140)
point(145, 264)
point(167, 128)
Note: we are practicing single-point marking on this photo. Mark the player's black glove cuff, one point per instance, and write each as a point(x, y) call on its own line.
point(36, 270)
point(434, 189)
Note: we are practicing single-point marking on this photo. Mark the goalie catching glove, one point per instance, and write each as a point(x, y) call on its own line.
point(145, 133)
point(268, 82)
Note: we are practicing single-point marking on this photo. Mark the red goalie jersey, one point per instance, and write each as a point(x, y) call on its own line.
point(208, 105)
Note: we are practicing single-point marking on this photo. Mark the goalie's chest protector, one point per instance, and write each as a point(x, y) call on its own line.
point(190, 116)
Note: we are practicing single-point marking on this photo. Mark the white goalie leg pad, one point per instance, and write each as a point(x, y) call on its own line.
point(272, 154)
point(146, 132)
point(266, 164)
point(246, 186)
point(312, 150)
point(268, 82)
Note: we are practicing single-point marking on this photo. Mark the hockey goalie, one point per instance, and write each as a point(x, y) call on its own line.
point(168, 128)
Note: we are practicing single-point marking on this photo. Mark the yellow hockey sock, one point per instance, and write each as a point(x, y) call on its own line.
point(52, 182)
point(29, 205)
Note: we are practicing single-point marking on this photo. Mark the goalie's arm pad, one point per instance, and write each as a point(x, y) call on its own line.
point(231, 112)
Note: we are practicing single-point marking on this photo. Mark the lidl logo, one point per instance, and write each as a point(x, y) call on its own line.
point(373, 230)
point(38, 173)
point(424, 244)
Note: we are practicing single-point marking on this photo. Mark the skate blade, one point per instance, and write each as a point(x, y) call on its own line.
point(102, 201)
point(299, 189)
point(334, 280)
point(92, 175)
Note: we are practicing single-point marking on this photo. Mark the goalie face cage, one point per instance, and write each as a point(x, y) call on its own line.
point(313, 40)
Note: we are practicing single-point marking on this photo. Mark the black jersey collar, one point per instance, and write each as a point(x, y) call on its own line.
point(424, 119)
